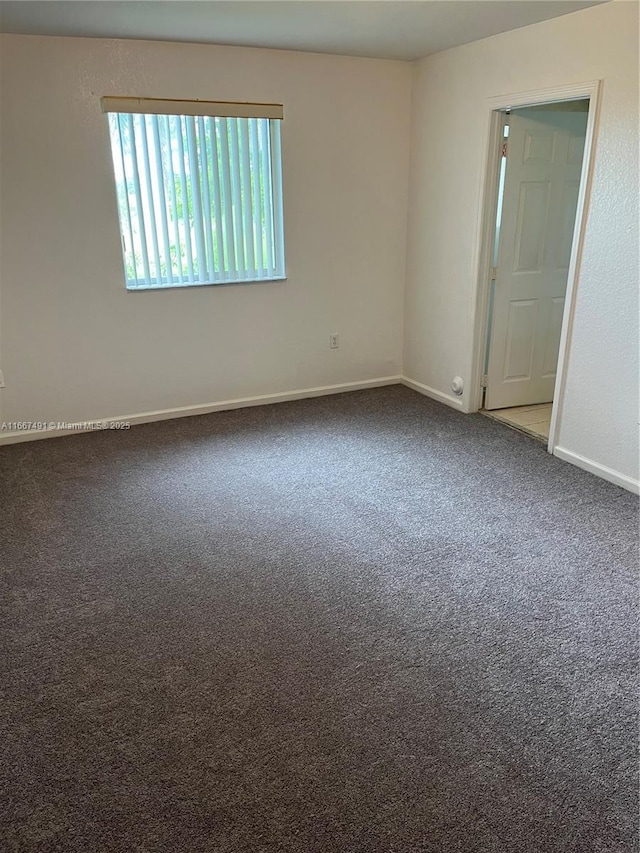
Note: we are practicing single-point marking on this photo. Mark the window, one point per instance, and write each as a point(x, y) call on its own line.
point(199, 191)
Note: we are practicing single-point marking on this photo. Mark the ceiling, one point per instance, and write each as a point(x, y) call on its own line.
point(387, 29)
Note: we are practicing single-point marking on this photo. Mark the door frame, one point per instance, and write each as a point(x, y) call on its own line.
point(487, 225)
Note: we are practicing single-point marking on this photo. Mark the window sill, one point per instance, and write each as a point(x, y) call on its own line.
point(190, 284)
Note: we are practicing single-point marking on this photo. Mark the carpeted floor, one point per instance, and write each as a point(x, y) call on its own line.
point(362, 624)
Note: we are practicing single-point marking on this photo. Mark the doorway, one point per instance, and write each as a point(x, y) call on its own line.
point(534, 212)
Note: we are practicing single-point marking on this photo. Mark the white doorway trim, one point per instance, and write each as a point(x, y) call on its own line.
point(486, 232)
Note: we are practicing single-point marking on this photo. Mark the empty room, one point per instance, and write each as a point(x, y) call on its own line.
point(319, 394)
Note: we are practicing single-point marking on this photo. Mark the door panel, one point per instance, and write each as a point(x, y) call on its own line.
point(540, 197)
point(565, 235)
point(530, 228)
point(550, 360)
point(538, 147)
point(521, 335)
point(576, 150)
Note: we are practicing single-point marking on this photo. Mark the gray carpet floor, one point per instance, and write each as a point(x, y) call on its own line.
point(355, 623)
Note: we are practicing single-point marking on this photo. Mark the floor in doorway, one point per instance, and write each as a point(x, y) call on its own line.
point(534, 420)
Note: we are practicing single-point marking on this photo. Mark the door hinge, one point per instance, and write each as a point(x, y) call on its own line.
point(505, 148)
point(493, 275)
point(484, 381)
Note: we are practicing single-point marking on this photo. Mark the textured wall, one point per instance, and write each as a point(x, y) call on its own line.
point(75, 345)
point(450, 121)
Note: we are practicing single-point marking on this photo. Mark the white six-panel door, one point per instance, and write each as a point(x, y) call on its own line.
point(542, 178)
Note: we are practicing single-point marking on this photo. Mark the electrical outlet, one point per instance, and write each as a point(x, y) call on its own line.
point(334, 341)
point(1, 380)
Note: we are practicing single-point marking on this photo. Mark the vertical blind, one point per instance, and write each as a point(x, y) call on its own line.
point(199, 198)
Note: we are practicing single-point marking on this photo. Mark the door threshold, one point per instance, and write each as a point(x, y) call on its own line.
point(531, 420)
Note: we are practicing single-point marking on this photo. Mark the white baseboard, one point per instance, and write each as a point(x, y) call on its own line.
point(447, 399)
point(599, 470)
point(202, 409)
point(265, 399)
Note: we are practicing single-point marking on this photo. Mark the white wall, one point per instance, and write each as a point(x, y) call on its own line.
point(74, 345)
point(450, 126)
